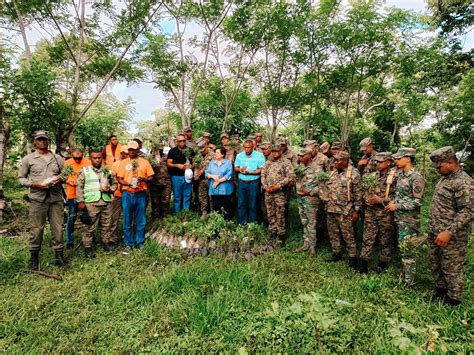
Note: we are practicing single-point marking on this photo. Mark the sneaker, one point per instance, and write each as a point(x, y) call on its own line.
point(127, 250)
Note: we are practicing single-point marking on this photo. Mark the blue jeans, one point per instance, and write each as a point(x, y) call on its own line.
point(134, 210)
point(182, 192)
point(71, 220)
point(247, 196)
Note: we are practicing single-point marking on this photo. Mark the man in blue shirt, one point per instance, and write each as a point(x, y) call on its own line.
point(248, 165)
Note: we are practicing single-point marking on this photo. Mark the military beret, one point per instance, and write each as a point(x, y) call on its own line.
point(382, 156)
point(304, 151)
point(442, 154)
point(341, 155)
point(364, 143)
point(265, 145)
point(310, 143)
point(206, 134)
point(404, 152)
point(223, 134)
point(40, 134)
point(324, 148)
point(336, 144)
point(276, 147)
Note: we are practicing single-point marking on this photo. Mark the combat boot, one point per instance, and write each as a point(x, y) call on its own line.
point(440, 295)
point(335, 257)
point(60, 261)
point(382, 266)
point(353, 262)
point(89, 253)
point(452, 302)
point(34, 261)
point(363, 266)
point(409, 271)
point(303, 248)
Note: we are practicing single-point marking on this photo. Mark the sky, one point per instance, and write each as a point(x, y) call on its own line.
point(147, 98)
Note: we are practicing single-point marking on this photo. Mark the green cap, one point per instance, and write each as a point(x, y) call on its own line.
point(404, 152)
point(442, 154)
point(382, 156)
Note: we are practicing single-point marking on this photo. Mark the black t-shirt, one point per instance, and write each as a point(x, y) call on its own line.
point(178, 158)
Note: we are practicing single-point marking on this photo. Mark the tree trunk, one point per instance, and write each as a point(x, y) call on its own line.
point(4, 134)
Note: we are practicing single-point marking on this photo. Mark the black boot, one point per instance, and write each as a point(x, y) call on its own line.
point(34, 261)
point(335, 257)
point(89, 253)
point(363, 266)
point(60, 261)
point(382, 266)
point(440, 294)
point(353, 262)
point(451, 302)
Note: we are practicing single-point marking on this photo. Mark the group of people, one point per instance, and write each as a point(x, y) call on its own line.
point(383, 190)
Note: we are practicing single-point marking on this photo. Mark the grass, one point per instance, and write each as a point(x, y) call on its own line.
point(160, 300)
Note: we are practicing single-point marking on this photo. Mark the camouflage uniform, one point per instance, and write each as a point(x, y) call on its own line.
point(160, 189)
point(264, 146)
point(203, 183)
point(370, 167)
point(308, 205)
point(409, 199)
point(100, 211)
point(341, 204)
point(452, 209)
point(377, 221)
point(278, 172)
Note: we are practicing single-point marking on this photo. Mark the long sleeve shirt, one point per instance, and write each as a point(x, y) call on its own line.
point(225, 170)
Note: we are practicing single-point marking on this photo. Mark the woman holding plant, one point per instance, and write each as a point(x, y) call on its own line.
point(133, 174)
point(220, 174)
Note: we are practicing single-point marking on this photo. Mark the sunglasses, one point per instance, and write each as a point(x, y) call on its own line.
point(41, 139)
point(258, 136)
point(77, 158)
point(181, 140)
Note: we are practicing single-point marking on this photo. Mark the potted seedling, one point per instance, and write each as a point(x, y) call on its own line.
point(105, 179)
point(299, 170)
point(134, 181)
point(369, 182)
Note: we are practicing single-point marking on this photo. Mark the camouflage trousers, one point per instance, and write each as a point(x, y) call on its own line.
point(115, 213)
point(308, 210)
point(263, 207)
point(340, 226)
point(275, 203)
point(100, 215)
point(447, 264)
point(408, 225)
point(203, 192)
point(160, 196)
point(381, 224)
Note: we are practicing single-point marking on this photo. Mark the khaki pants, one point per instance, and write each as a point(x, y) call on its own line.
point(38, 213)
point(100, 215)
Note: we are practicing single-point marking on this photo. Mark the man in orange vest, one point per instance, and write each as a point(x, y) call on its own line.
point(78, 161)
point(111, 152)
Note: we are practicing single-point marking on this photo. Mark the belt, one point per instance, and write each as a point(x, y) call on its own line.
point(249, 181)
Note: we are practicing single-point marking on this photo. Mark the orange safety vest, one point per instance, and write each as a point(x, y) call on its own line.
point(109, 157)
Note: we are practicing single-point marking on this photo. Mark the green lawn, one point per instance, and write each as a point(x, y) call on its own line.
point(159, 300)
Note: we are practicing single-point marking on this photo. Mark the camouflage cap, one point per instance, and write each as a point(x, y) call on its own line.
point(283, 140)
point(201, 144)
point(341, 155)
point(336, 144)
point(310, 143)
point(212, 147)
point(265, 145)
point(324, 148)
point(206, 134)
point(276, 147)
point(442, 154)
point(404, 152)
point(304, 151)
point(382, 156)
point(40, 134)
point(364, 143)
point(251, 137)
point(223, 134)
point(187, 129)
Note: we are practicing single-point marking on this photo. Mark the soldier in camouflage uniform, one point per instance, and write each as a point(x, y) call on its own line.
point(378, 222)
point(207, 137)
point(276, 176)
point(406, 205)
point(308, 200)
point(335, 148)
point(203, 185)
point(286, 151)
point(345, 201)
point(266, 149)
point(231, 151)
point(367, 163)
point(450, 225)
point(160, 186)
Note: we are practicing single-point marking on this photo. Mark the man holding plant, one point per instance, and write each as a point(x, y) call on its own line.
point(95, 186)
point(133, 174)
